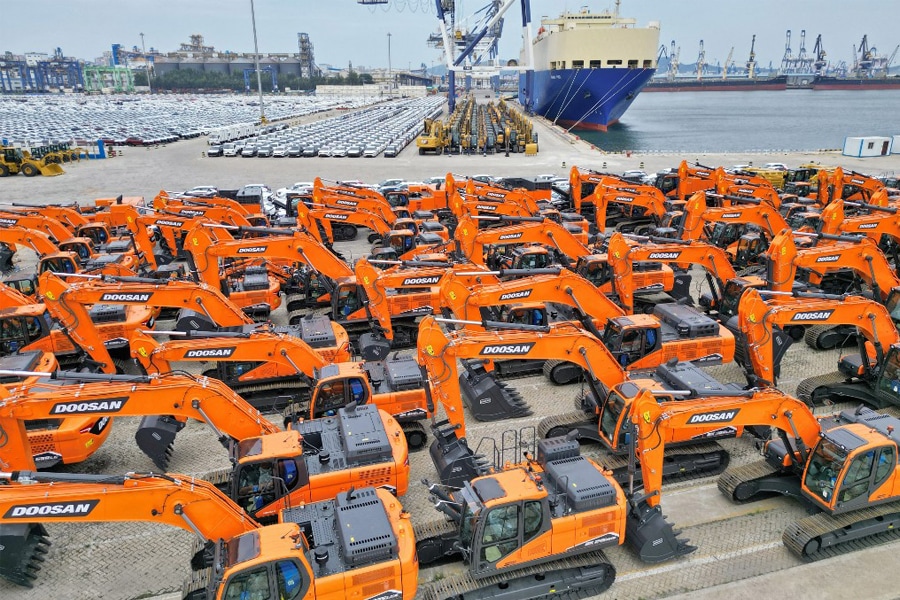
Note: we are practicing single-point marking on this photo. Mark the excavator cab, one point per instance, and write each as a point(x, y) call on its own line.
point(401, 213)
point(750, 247)
point(631, 338)
point(80, 247)
point(397, 199)
point(96, 232)
point(850, 468)
point(20, 327)
point(401, 240)
point(63, 262)
point(527, 257)
point(259, 481)
point(336, 389)
point(347, 300)
point(285, 578)
point(406, 223)
point(724, 235)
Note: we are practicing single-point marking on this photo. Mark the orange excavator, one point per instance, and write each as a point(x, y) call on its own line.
point(743, 229)
point(92, 242)
point(762, 343)
point(639, 208)
point(183, 204)
point(353, 198)
point(255, 288)
point(687, 181)
point(474, 244)
point(200, 308)
point(438, 351)
point(838, 267)
point(850, 185)
point(381, 309)
point(881, 223)
point(262, 366)
point(54, 441)
point(78, 259)
point(318, 459)
point(843, 468)
point(363, 547)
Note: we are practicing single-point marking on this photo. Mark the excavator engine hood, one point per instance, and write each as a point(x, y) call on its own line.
point(651, 536)
point(156, 438)
point(23, 548)
point(487, 398)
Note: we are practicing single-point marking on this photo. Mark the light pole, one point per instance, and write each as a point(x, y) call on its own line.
point(147, 64)
point(390, 72)
point(262, 112)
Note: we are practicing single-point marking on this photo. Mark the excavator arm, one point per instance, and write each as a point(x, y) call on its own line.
point(757, 318)
point(861, 255)
point(658, 423)
point(67, 304)
point(284, 355)
point(438, 352)
point(201, 399)
point(623, 253)
point(35, 240)
point(465, 297)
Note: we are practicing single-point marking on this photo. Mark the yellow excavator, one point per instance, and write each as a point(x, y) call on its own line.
point(16, 160)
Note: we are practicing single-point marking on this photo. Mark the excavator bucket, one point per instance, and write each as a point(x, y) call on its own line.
point(22, 550)
point(651, 535)
point(50, 170)
point(156, 438)
point(454, 461)
point(489, 399)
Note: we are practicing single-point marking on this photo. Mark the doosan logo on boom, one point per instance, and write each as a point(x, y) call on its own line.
point(52, 509)
point(122, 297)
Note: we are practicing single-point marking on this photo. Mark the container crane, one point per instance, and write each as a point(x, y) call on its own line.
point(701, 62)
point(470, 44)
point(804, 62)
point(788, 59)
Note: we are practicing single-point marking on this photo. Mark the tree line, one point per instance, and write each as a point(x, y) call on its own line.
point(193, 79)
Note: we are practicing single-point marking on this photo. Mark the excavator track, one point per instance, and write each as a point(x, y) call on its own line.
point(811, 336)
point(731, 480)
point(416, 436)
point(560, 421)
point(822, 535)
point(577, 577)
point(680, 463)
point(433, 529)
point(806, 387)
point(196, 584)
point(553, 369)
point(217, 477)
point(516, 369)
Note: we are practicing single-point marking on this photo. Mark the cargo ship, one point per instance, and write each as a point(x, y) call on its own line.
point(588, 68)
point(717, 84)
point(823, 82)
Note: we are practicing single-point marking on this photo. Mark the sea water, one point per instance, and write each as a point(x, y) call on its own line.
point(790, 120)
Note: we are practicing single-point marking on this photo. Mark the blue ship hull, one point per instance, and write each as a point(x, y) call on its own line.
point(584, 98)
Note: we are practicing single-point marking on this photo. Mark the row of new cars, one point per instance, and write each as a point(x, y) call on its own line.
point(384, 129)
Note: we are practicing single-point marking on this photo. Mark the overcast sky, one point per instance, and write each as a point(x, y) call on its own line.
point(343, 30)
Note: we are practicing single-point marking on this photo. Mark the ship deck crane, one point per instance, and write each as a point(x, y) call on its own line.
point(820, 64)
point(728, 62)
point(751, 60)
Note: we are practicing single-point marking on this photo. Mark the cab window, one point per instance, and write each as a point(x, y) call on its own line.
point(856, 481)
point(249, 585)
point(289, 579)
point(501, 529)
point(534, 517)
point(887, 463)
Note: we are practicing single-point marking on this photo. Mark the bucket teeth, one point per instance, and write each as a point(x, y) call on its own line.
point(24, 547)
